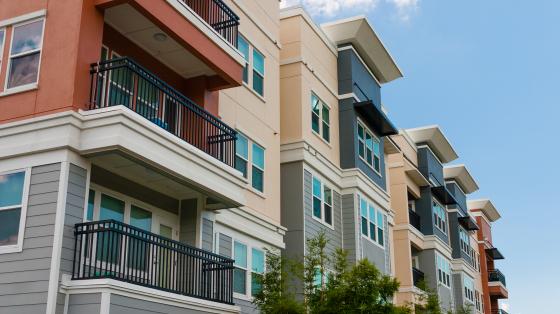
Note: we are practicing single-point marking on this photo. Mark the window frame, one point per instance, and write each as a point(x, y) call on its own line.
point(443, 265)
point(246, 269)
point(442, 226)
point(469, 289)
point(2, 44)
point(376, 212)
point(375, 139)
point(253, 165)
point(321, 106)
point(251, 245)
point(254, 70)
point(22, 54)
point(246, 58)
point(18, 247)
point(253, 249)
point(464, 242)
point(245, 175)
point(323, 186)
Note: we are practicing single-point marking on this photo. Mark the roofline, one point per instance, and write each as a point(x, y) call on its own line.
point(468, 173)
point(486, 206)
point(435, 127)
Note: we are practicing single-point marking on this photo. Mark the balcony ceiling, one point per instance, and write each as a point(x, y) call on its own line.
point(468, 223)
point(140, 30)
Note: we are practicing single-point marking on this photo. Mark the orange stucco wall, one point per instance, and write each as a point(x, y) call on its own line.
point(73, 35)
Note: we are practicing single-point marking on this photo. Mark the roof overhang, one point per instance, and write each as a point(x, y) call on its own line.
point(434, 137)
point(462, 176)
point(443, 195)
point(486, 207)
point(358, 32)
point(468, 223)
point(494, 253)
point(376, 118)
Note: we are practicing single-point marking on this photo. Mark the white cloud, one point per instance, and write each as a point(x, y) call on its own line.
point(333, 7)
point(405, 8)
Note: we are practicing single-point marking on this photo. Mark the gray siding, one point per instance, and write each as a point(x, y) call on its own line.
point(314, 227)
point(246, 306)
point(188, 222)
point(458, 290)
point(374, 254)
point(291, 185)
point(429, 165)
point(207, 234)
point(427, 261)
point(87, 303)
point(459, 196)
point(125, 305)
point(24, 276)
point(350, 227)
point(445, 298)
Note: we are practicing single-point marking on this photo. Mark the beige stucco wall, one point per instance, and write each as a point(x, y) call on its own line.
point(309, 64)
point(259, 117)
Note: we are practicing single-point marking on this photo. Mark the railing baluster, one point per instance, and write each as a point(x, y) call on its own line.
point(132, 86)
point(123, 252)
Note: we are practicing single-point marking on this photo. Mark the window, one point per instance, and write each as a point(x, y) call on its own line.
point(257, 270)
point(322, 202)
point(240, 271)
point(320, 118)
point(25, 54)
point(258, 168)
point(443, 270)
point(12, 210)
point(91, 202)
point(439, 216)
point(256, 63)
point(469, 289)
point(372, 222)
point(477, 297)
point(258, 72)
point(464, 242)
point(256, 154)
point(243, 47)
point(241, 154)
point(369, 147)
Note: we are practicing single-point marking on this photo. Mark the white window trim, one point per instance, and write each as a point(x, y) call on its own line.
point(254, 165)
point(368, 238)
point(444, 218)
point(18, 247)
point(374, 138)
point(448, 263)
point(157, 213)
point(248, 153)
point(251, 244)
point(28, 86)
point(250, 142)
point(250, 68)
point(322, 219)
point(322, 104)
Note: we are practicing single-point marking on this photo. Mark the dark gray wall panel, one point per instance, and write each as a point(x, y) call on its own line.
point(429, 165)
point(291, 185)
point(207, 235)
point(225, 243)
point(188, 222)
point(349, 226)
point(24, 276)
point(374, 254)
point(458, 290)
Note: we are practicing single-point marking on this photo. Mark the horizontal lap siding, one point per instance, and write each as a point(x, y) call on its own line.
point(87, 303)
point(207, 234)
point(126, 305)
point(24, 276)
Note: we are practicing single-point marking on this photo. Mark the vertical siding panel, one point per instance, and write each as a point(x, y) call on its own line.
point(349, 226)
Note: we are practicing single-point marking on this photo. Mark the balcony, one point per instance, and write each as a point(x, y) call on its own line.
point(414, 219)
point(417, 277)
point(123, 82)
point(219, 16)
point(496, 276)
point(113, 250)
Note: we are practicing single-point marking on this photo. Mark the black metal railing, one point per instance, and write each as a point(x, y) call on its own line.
point(414, 219)
point(496, 276)
point(417, 276)
point(122, 81)
point(219, 16)
point(114, 250)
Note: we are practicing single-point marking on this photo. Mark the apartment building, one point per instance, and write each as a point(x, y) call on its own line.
point(433, 234)
point(333, 139)
point(493, 280)
point(139, 154)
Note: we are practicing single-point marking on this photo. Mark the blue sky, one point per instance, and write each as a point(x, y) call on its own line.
point(485, 71)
